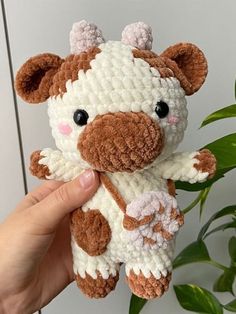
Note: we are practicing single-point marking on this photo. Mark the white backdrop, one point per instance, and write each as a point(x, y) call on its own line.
point(43, 26)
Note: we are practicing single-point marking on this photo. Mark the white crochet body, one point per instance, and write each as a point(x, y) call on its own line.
point(119, 82)
point(120, 249)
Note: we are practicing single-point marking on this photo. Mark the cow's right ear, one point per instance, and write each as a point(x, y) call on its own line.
point(35, 77)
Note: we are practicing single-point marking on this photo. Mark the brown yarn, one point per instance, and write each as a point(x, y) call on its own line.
point(121, 142)
point(91, 231)
point(70, 69)
point(96, 288)
point(148, 288)
point(188, 64)
point(36, 169)
point(34, 78)
point(149, 241)
point(117, 197)
point(154, 61)
point(184, 61)
point(178, 216)
point(131, 223)
point(171, 187)
point(207, 162)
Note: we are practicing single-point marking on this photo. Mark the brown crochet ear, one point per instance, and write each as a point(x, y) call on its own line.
point(189, 65)
point(35, 77)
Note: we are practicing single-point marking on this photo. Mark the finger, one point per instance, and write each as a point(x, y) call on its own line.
point(51, 210)
point(39, 193)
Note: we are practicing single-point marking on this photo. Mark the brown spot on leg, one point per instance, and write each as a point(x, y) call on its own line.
point(148, 288)
point(96, 288)
point(36, 169)
point(91, 231)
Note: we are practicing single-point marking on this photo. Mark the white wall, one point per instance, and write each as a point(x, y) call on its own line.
point(40, 26)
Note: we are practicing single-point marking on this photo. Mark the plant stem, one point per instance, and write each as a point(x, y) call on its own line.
point(217, 265)
point(193, 204)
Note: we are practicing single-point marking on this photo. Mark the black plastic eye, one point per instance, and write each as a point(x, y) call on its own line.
point(162, 109)
point(81, 117)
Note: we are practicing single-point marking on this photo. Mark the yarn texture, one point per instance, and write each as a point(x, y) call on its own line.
point(119, 108)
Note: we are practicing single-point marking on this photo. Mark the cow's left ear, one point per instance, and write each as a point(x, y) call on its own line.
point(189, 65)
point(35, 77)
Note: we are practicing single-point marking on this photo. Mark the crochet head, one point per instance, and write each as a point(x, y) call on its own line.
point(115, 106)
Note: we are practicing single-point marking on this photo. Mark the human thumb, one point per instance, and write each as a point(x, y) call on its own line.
point(69, 196)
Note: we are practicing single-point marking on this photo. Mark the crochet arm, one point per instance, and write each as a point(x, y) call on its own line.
point(50, 164)
point(190, 167)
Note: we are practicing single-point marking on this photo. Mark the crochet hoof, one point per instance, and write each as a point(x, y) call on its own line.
point(148, 288)
point(96, 288)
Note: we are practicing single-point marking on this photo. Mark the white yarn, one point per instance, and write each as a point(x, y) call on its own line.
point(119, 82)
point(180, 166)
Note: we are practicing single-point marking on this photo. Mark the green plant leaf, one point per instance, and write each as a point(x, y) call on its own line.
point(231, 307)
point(227, 225)
point(136, 304)
point(193, 253)
point(226, 112)
point(194, 187)
point(224, 150)
point(225, 282)
point(197, 299)
point(229, 210)
point(204, 196)
point(232, 249)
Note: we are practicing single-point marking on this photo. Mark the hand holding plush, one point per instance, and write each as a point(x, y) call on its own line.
point(120, 108)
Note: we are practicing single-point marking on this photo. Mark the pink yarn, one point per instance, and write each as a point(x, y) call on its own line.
point(172, 120)
point(138, 35)
point(146, 204)
point(83, 36)
point(64, 128)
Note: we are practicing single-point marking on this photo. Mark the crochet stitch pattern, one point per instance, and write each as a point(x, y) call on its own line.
point(119, 108)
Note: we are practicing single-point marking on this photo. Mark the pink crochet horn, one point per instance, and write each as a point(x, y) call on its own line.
point(83, 36)
point(138, 35)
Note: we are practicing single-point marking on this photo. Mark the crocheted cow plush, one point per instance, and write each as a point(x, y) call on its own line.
point(120, 108)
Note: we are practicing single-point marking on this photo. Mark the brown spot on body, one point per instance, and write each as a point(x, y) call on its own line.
point(96, 288)
point(184, 61)
point(38, 170)
point(207, 162)
point(148, 288)
point(121, 142)
point(154, 61)
point(70, 69)
point(91, 231)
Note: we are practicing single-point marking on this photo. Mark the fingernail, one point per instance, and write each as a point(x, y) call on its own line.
point(86, 179)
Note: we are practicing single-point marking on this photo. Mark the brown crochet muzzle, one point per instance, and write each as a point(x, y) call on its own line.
point(121, 142)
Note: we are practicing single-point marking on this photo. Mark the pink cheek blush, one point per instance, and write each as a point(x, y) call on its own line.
point(172, 120)
point(64, 128)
